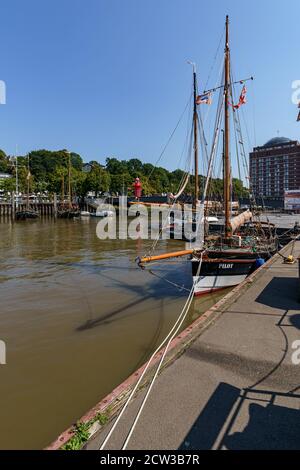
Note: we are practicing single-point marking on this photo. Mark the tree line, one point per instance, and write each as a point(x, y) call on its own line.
point(49, 171)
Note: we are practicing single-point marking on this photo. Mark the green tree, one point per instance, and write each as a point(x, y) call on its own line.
point(4, 162)
point(115, 166)
point(98, 180)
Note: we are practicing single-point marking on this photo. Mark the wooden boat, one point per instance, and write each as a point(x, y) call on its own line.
point(27, 213)
point(103, 213)
point(67, 210)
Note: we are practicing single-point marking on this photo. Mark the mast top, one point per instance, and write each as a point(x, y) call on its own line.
point(227, 39)
point(193, 64)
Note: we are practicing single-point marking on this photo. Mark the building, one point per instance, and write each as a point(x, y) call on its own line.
point(4, 176)
point(275, 169)
point(87, 167)
point(292, 200)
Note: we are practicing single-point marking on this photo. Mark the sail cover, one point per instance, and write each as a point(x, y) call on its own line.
point(240, 219)
point(176, 196)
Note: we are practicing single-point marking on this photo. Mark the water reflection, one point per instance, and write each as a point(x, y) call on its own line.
point(78, 316)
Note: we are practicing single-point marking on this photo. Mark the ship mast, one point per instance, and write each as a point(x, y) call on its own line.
point(28, 182)
point(195, 120)
point(227, 175)
point(68, 154)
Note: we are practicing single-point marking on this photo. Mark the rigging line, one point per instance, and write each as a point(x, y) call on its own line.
point(171, 136)
point(229, 84)
point(172, 207)
point(183, 178)
point(241, 143)
point(238, 133)
point(236, 146)
point(179, 287)
point(173, 329)
point(254, 114)
point(220, 79)
point(218, 116)
point(213, 150)
point(216, 128)
point(183, 315)
point(243, 116)
point(232, 94)
point(215, 58)
point(187, 163)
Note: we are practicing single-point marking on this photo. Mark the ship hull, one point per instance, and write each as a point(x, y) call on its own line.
point(220, 273)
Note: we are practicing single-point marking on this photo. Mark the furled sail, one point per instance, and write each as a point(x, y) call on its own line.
point(240, 219)
point(176, 196)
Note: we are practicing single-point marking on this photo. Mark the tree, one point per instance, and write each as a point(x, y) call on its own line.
point(135, 167)
point(76, 161)
point(98, 180)
point(8, 185)
point(115, 166)
point(238, 189)
point(4, 162)
point(120, 183)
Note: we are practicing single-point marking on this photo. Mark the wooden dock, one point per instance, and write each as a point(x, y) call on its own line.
point(43, 208)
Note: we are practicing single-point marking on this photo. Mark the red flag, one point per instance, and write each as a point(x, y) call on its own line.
point(242, 99)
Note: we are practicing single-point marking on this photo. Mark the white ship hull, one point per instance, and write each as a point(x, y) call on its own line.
point(207, 284)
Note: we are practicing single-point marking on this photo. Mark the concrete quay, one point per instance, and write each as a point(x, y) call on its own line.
point(237, 383)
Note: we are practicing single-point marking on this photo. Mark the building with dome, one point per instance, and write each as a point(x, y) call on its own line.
point(275, 169)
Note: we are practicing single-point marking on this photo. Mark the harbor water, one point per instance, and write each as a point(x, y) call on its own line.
point(78, 317)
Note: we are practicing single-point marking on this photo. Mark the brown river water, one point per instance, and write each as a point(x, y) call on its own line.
point(78, 317)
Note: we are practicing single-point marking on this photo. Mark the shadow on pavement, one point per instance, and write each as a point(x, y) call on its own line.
point(281, 293)
point(240, 419)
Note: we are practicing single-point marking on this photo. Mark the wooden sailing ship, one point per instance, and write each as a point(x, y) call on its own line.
point(27, 213)
point(66, 209)
point(226, 259)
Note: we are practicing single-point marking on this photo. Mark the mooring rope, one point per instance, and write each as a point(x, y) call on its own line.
point(173, 332)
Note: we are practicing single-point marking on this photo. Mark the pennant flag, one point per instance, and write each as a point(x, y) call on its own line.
point(204, 99)
point(242, 99)
point(28, 176)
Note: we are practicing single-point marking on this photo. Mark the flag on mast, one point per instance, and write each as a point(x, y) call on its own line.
point(204, 99)
point(242, 99)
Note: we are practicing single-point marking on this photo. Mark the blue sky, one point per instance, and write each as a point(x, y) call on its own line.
point(110, 78)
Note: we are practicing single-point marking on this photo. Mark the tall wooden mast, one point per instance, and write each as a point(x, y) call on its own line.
point(195, 120)
point(28, 182)
point(227, 175)
point(69, 180)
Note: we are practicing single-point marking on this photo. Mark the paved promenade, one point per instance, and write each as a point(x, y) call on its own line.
point(236, 386)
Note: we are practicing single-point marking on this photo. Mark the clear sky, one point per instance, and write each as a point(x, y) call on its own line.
point(110, 78)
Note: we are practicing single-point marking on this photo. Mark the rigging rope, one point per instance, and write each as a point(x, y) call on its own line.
point(171, 136)
point(173, 332)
